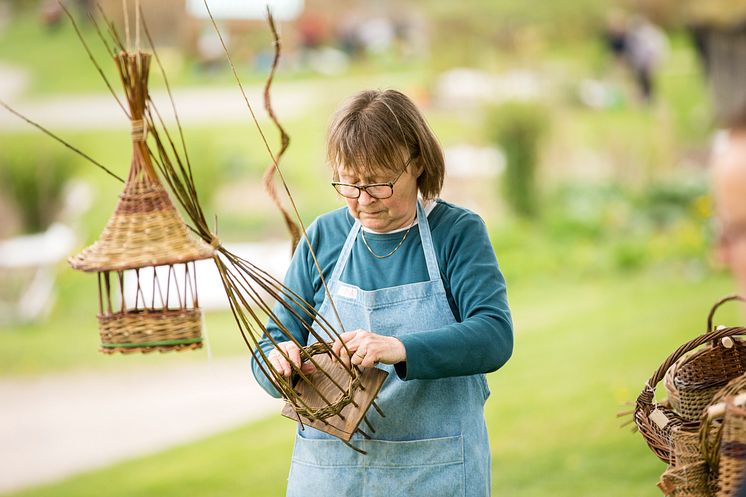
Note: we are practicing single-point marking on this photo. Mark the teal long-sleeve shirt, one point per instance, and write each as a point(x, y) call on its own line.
point(480, 341)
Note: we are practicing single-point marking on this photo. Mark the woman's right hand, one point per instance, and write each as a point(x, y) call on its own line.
point(292, 351)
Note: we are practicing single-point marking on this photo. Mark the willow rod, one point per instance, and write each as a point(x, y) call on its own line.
point(277, 166)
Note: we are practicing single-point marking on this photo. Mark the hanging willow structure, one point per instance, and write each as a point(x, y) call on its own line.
point(336, 396)
point(144, 233)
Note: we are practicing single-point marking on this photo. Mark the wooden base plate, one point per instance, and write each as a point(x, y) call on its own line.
point(344, 424)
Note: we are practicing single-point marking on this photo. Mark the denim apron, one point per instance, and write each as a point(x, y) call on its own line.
point(432, 441)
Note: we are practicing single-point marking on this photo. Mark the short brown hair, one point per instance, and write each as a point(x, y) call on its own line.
point(380, 130)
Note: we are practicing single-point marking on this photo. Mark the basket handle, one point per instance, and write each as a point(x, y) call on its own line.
point(722, 301)
point(711, 335)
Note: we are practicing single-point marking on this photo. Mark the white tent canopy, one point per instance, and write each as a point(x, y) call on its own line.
point(282, 10)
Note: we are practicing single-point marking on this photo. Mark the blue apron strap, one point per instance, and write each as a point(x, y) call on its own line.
point(427, 244)
point(344, 254)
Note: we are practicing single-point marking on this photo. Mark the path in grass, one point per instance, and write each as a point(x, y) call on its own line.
point(196, 106)
point(57, 425)
point(13, 81)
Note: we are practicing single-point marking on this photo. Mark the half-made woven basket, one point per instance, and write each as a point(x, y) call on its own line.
point(337, 398)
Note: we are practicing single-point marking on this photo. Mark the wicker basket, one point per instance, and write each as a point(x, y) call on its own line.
point(722, 438)
point(144, 233)
point(732, 451)
point(691, 480)
point(693, 380)
point(688, 475)
point(147, 331)
point(659, 423)
point(686, 445)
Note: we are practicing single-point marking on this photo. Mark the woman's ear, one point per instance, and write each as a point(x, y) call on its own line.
point(419, 168)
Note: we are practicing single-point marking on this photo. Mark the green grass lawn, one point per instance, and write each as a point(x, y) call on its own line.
point(582, 350)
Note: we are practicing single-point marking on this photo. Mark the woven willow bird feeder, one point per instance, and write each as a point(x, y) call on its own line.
point(145, 261)
point(147, 244)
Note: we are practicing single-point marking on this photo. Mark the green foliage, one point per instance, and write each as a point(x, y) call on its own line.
point(33, 178)
point(482, 34)
point(518, 128)
point(664, 223)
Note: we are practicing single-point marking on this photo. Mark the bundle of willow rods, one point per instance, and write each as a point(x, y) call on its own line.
point(243, 281)
point(241, 278)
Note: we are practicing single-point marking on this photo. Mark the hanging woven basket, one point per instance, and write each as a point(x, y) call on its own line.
point(145, 256)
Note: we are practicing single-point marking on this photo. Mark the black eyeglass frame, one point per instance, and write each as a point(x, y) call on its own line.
point(360, 188)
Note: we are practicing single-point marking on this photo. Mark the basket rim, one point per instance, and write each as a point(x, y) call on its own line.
point(646, 404)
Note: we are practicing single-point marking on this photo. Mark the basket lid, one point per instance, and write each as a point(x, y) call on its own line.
point(145, 230)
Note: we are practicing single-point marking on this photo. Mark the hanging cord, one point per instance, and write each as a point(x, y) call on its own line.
point(137, 25)
point(126, 23)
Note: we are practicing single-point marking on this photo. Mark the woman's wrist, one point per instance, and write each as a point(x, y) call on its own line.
point(400, 351)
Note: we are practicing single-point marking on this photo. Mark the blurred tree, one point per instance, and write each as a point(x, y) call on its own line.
point(518, 128)
point(678, 13)
point(33, 179)
point(719, 31)
point(505, 26)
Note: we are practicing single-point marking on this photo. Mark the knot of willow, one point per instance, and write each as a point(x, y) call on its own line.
point(139, 130)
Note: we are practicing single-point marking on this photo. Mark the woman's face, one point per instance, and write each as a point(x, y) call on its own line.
point(397, 211)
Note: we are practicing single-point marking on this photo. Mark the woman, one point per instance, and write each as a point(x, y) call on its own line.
point(417, 280)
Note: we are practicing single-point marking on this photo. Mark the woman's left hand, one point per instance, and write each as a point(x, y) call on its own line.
point(366, 349)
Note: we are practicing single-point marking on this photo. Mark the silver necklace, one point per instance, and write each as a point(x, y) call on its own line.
point(365, 242)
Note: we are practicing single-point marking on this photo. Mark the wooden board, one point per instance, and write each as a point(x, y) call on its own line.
point(339, 426)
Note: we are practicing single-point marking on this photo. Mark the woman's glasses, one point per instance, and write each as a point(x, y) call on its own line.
point(375, 190)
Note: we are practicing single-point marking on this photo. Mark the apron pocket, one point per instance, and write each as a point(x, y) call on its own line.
point(430, 468)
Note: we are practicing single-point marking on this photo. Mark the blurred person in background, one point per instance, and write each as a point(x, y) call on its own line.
point(645, 48)
point(615, 34)
point(729, 190)
point(417, 279)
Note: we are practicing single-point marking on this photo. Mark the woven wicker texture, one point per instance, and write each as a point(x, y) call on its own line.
point(692, 381)
point(656, 422)
point(145, 230)
point(711, 429)
point(338, 399)
point(147, 331)
point(732, 451)
point(686, 481)
point(687, 448)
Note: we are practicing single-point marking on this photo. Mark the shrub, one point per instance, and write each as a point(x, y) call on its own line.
point(33, 179)
point(518, 128)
